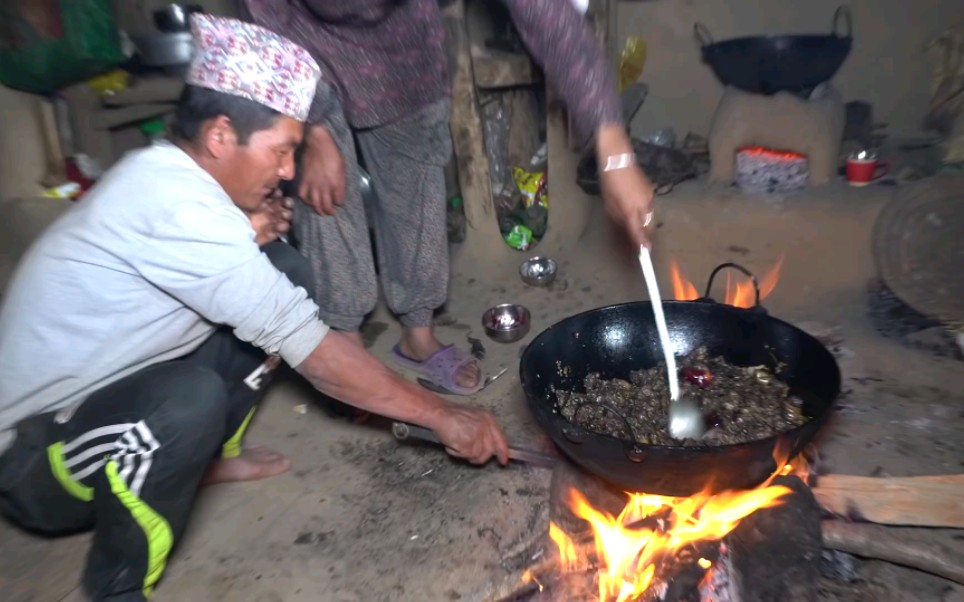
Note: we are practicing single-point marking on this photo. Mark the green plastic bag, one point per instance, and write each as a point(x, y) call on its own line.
point(46, 45)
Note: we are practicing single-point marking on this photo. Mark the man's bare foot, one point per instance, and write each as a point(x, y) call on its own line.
point(254, 463)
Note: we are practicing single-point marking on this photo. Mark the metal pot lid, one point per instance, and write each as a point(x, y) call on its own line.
point(918, 243)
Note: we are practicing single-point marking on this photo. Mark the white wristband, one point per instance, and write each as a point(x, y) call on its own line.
point(622, 161)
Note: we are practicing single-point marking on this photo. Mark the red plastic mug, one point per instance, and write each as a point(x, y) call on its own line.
point(861, 172)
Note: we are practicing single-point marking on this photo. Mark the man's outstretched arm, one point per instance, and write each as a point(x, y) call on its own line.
point(343, 369)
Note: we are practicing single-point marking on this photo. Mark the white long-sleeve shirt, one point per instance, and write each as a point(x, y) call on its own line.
point(140, 271)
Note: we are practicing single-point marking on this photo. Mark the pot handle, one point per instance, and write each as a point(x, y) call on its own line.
point(843, 11)
point(702, 34)
point(736, 266)
point(611, 410)
point(634, 451)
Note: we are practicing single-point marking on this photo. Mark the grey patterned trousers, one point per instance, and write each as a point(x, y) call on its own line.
point(406, 161)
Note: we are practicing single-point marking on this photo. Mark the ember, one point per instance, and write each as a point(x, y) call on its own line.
point(762, 170)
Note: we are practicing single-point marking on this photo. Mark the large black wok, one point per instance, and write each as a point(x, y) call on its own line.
point(771, 64)
point(618, 339)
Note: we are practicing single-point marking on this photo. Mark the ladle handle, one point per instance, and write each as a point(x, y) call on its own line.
point(649, 275)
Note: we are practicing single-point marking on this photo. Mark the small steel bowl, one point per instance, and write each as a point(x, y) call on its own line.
point(506, 323)
point(538, 271)
point(175, 18)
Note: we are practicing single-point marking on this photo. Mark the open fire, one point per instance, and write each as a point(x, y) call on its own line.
point(634, 551)
point(739, 292)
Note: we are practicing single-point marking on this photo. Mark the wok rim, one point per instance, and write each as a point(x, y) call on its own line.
point(831, 38)
point(696, 449)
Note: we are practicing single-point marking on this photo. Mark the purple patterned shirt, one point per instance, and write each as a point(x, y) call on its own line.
point(387, 58)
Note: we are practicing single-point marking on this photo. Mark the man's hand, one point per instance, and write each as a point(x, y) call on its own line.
point(472, 434)
point(272, 220)
point(322, 184)
point(627, 191)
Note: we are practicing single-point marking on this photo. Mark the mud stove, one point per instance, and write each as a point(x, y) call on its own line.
point(776, 143)
point(779, 124)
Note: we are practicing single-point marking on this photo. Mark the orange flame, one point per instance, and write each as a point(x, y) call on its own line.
point(738, 294)
point(627, 555)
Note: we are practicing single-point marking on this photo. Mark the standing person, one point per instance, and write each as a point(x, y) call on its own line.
point(141, 329)
point(386, 88)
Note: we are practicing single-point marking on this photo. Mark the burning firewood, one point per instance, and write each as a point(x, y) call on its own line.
point(864, 540)
point(786, 535)
point(529, 580)
point(672, 567)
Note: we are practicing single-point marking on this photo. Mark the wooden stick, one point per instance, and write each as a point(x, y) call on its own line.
point(466, 123)
point(874, 541)
point(53, 149)
point(516, 584)
point(928, 501)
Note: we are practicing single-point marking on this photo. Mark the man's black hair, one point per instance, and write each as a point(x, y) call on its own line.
point(197, 105)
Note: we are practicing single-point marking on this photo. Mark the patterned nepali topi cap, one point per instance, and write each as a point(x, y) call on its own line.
point(250, 61)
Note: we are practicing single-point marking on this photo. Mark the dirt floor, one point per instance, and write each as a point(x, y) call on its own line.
point(362, 517)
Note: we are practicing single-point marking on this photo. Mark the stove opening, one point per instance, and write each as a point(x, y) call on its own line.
point(761, 170)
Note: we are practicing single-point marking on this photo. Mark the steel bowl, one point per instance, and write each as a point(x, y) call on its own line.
point(165, 49)
point(538, 271)
point(506, 323)
point(175, 18)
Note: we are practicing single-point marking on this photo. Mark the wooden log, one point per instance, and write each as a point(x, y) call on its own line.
point(775, 552)
point(466, 126)
point(891, 545)
point(926, 501)
point(524, 126)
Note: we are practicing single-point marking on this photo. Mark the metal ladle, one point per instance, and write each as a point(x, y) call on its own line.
point(685, 417)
